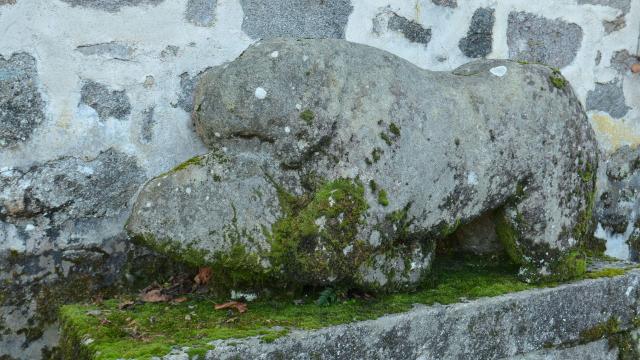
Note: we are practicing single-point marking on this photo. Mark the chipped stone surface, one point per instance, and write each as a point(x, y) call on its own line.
point(479, 37)
point(201, 12)
point(535, 38)
point(514, 326)
point(609, 98)
point(111, 5)
point(295, 18)
point(107, 103)
point(21, 104)
point(411, 30)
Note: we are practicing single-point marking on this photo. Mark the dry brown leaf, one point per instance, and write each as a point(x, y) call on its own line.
point(179, 300)
point(204, 275)
point(239, 306)
point(231, 320)
point(154, 296)
point(125, 304)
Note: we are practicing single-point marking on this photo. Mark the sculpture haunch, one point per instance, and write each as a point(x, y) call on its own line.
point(334, 162)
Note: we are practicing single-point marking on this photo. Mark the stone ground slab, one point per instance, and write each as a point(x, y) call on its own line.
point(490, 328)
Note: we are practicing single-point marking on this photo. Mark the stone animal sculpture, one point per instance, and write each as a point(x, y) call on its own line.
point(338, 163)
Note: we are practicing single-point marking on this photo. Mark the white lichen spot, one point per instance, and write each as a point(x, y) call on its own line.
point(305, 58)
point(374, 239)
point(331, 201)
point(217, 134)
point(207, 198)
point(29, 227)
point(298, 106)
point(260, 93)
point(347, 250)
point(287, 129)
point(188, 190)
point(237, 295)
point(274, 54)
point(265, 263)
point(472, 178)
point(320, 222)
point(499, 71)
point(148, 204)
point(86, 170)
point(87, 341)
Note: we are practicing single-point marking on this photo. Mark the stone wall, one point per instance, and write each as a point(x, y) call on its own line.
point(95, 97)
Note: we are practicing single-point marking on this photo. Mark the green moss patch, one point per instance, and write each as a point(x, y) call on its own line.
point(307, 116)
point(308, 243)
point(557, 79)
point(147, 330)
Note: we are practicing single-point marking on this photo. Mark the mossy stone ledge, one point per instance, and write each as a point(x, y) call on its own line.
point(146, 330)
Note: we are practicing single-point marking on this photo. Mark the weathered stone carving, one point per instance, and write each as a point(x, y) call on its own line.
point(334, 162)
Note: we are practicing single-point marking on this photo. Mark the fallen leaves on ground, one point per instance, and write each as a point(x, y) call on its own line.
point(125, 304)
point(154, 296)
point(179, 300)
point(203, 276)
point(239, 306)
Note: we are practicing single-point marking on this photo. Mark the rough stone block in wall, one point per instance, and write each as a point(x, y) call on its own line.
point(111, 5)
point(107, 103)
point(21, 104)
point(411, 30)
point(295, 18)
point(608, 97)
point(535, 38)
point(201, 12)
point(388, 21)
point(479, 37)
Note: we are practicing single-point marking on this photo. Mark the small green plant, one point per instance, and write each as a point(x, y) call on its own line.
point(386, 138)
point(307, 116)
point(557, 79)
point(376, 154)
point(395, 129)
point(383, 198)
point(600, 330)
point(373, 186)
point(327, 297)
